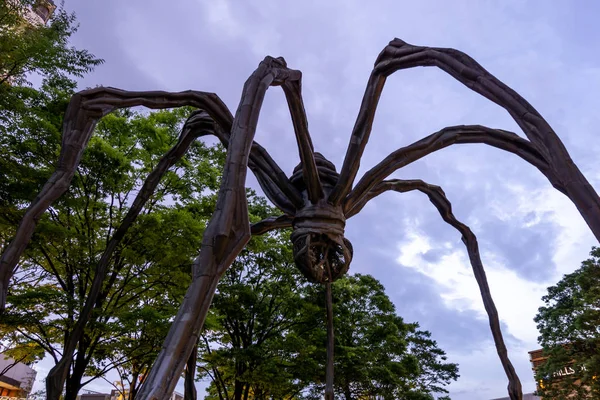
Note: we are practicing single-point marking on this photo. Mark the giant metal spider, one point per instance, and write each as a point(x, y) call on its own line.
point(315, 200)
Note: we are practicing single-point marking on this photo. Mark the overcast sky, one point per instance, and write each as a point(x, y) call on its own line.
point(530, 235)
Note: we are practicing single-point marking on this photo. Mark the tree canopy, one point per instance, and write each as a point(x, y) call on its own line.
point(27, 49)
point(265, 337)
point(569, 325)
point(150, 270)
point(30, 121)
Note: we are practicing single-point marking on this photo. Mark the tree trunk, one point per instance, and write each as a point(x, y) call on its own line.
point(133, 387)
point(190, 392)
point(238, 390)
point(247, 391)
point(329, 395)
point(74, 380)
point(347, 392)
point(73, 385)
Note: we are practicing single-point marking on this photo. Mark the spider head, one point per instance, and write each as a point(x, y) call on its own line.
point(321, 251)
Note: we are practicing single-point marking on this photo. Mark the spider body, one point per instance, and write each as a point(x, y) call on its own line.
point(321, 252)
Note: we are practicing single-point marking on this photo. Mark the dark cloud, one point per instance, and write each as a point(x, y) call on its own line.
point(525, 249)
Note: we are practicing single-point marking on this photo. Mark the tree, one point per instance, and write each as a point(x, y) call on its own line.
point(32, 111)
point(150, 269)
point(377, 354)
point(139, 331)
point(247, 345)
point(265, 337)
point(569, 325)
point(26, 48)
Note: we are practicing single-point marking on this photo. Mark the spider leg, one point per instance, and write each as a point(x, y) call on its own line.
point(198, 124)
point(359, 138)
point(501, 139)
point(83, 112)
point(271, 223)
point(565, 176)
point(293, 94)
point(401, 55)
point(225, 236)
point(440, 201)
point(272, 179)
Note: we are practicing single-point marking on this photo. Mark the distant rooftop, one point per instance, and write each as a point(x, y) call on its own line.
point(528, 396)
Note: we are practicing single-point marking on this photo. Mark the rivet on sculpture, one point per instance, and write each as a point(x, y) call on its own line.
point(315, 201)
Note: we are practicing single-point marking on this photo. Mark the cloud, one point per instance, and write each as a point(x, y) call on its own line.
point(516, 298)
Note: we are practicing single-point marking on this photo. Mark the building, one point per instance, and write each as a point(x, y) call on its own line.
point(90, 395)
point(528, 396)
point(40, 13)
point(537, 358)
point(16, 379)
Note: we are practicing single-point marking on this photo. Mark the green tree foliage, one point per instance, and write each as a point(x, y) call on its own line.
point(30, 119)
point(149, 271)
point(569, 325)
point(44, 50)
point(247, 344)
point(265, 337)
point(21, 154)
point(377, 354)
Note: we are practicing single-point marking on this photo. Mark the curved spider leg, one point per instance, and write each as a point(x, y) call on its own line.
point(388, 62)
point(310, 173)
point(272, 179)
point(83, 112)
point(261, 163)
point(225, 236)
point(399, 55)
point(271, 223)
point(565, 175)
point(461, 134)
point(198, 124)
point(440, 201)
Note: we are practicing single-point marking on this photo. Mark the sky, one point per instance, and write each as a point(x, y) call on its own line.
point(529, 234)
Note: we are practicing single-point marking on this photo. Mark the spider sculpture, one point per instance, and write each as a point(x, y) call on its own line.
point(315, 201)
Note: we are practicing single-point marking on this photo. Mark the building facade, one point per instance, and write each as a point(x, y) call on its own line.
point(526, 396)
point(40, 13)
point(16, 379)
point(567, 372)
